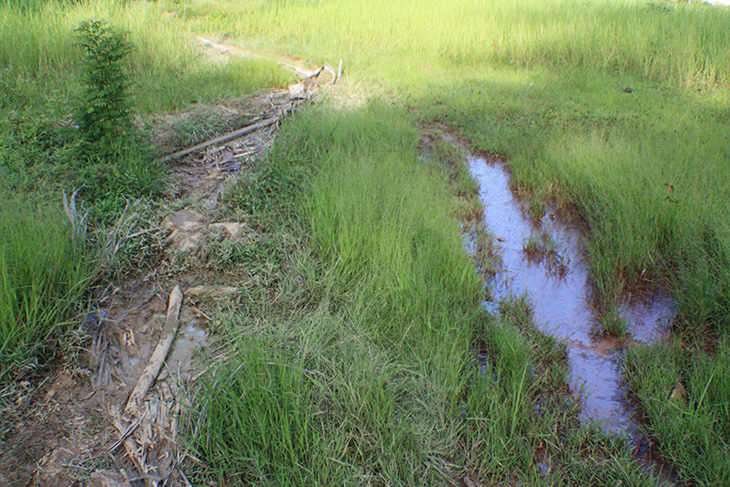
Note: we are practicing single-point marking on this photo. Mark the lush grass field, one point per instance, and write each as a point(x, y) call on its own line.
point(373, 378)
point(373, 364)
point(545, 84)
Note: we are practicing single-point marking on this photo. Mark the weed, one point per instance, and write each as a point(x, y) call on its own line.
point(541, 247)
point(612, 322)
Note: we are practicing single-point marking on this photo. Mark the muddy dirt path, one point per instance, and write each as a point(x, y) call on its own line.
point(74, 429)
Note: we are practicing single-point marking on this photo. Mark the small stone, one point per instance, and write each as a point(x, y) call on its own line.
point(184, 220)
point(231, 228)
point(679, 392)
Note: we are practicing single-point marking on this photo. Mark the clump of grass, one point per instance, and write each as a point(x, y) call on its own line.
point(691, 428)
point(612, 323)
point(541, 247)
point(44, 271)
point(260, 422)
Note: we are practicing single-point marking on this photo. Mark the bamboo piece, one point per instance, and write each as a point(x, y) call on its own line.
point(158, 356)
point(222, 138)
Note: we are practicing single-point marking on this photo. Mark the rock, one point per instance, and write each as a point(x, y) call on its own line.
point(107, 478)
point(234, 230)
point(212, 291)
point(187, 227)
point(183, 220)
point(679, 392)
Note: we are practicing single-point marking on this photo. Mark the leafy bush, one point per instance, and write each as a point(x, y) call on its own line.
point(103, 117)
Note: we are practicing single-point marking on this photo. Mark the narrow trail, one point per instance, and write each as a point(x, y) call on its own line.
point(76, 430)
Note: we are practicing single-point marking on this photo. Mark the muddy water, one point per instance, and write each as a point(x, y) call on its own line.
point(561, 297)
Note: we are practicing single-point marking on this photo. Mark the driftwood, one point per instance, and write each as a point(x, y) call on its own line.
point(158, 356)
point(223, 138)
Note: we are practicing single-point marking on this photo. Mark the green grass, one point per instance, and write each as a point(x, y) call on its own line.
point(538, 83)
point(169, 70)
point(43, 274)
point(542, 84)
point(693, 431)
point(41, 65)
point(366, 358)
point(684, 45)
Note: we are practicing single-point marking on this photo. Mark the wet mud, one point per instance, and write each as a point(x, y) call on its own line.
point(558, 286)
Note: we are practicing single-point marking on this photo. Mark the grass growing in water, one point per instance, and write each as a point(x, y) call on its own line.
point(367, 359)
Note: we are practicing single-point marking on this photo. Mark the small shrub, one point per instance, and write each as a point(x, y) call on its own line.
point(103, 116)
point(117, 160)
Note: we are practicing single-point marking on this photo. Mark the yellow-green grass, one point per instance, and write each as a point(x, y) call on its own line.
point(546, 84)
point(365, 359)
point(167, 67)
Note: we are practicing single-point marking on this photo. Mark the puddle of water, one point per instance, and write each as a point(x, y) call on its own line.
point(562, 300)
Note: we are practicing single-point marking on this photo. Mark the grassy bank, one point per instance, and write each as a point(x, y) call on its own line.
point(366, 359)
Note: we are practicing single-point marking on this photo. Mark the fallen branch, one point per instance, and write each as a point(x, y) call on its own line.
point(158, 356)
point(222, 138)
point(339, 73)
point(133, 452)
point(124, 433)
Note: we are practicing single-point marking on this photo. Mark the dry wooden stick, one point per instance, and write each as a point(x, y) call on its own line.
point(222, 138)
point(130, 446)
point(158, 356)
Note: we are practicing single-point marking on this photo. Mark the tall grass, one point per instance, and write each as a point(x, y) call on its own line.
point(695, 426)
point(388, 372)
point(43, 273)
point(682, 44)
point(169, 70)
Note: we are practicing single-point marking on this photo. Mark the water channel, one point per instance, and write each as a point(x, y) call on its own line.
point(562, 299)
